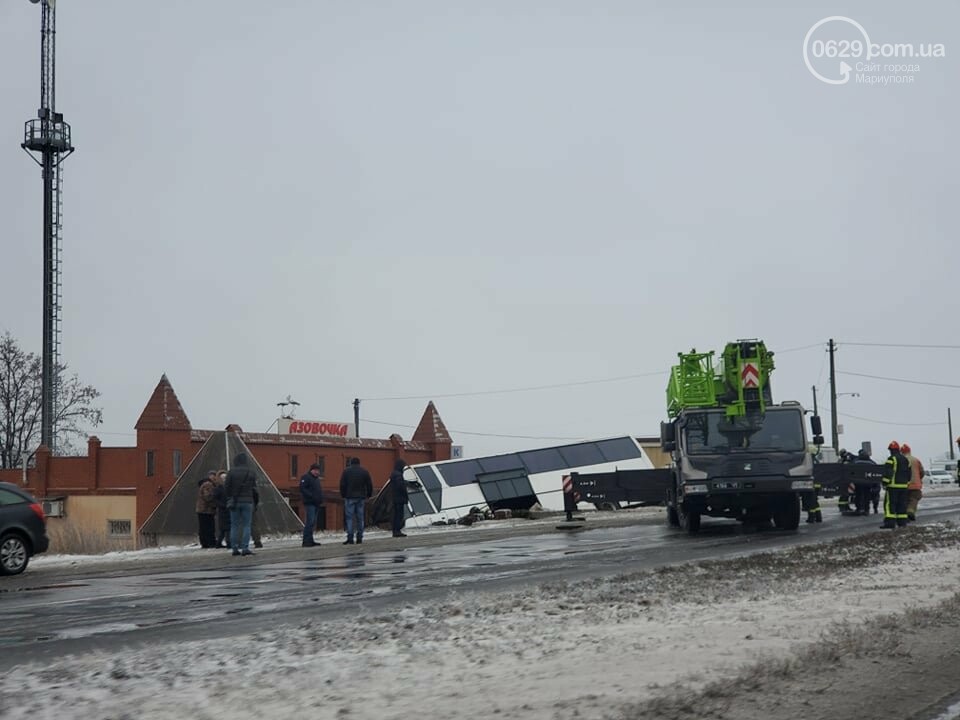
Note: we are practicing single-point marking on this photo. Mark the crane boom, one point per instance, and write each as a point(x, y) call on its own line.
point(740, 383)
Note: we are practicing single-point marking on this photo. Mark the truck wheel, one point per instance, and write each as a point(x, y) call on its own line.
point(689, 521)
point(786, 515)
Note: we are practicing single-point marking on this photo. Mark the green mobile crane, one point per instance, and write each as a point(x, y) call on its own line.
point(735, 453)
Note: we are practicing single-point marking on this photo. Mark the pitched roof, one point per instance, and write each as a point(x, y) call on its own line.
point(431, 428)
point(163, 410)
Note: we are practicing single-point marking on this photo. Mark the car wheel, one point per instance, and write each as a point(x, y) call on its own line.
point(14, 554)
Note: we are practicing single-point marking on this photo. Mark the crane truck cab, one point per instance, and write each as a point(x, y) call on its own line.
point(750, 468)
point(735, 454)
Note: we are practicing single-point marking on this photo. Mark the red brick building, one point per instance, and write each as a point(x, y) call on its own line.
point(133, 480)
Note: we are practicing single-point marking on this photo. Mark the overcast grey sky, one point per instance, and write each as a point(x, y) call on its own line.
point(341, 199)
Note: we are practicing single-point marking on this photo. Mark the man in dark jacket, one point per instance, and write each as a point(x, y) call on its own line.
point(398, 488)
point(865, 490)
point(356, 486)
point(311, 494)
point(240, 486)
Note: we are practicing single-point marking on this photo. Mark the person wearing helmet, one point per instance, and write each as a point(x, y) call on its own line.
point(915, 486)
point(896, 477)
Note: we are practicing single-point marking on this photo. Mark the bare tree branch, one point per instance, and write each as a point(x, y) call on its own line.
point(21, 378)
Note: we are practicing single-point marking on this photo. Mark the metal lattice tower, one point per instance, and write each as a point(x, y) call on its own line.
point(46, 139)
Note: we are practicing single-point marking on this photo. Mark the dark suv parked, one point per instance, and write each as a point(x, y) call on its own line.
point(23, 529)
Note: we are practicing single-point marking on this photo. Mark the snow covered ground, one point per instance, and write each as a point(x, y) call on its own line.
point(590, 649)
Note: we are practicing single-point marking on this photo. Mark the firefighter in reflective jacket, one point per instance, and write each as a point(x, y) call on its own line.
point(915, 487)
point(810, 501)
point(896, 478)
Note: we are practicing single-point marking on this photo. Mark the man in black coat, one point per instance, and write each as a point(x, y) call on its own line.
point(356, 486)
point(311, 494)
point(398, 488)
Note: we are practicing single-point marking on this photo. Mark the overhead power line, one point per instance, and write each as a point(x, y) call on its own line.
point(887, 422)
point(802, 347)
point(479, 434)
point(532, 388)
point(520, 389)
point(903, 345)
point(900, 380)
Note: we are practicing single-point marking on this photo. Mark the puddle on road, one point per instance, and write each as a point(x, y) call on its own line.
point(165, 621)
point(359, 593)
point(55, 586)
point(74, 633)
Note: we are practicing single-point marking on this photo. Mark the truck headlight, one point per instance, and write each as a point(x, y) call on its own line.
point(801, 485)
point(694, 489)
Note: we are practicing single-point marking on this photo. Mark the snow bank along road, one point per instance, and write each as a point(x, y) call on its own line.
point(677, 641)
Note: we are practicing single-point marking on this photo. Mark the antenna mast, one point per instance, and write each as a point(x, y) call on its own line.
point(46, 139)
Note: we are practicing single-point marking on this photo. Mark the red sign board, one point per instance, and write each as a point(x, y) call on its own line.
point(750, 375)
point(315, 428)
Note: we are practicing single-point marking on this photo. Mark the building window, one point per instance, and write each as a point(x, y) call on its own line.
point(119, 528)
point(322, 462)
point(177, 463)
point(150, 463)
point(294, 466)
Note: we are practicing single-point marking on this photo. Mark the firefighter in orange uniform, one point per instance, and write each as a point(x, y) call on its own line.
point(915, 486)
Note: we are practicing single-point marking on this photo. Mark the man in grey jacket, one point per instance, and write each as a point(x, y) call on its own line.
point(240, 486)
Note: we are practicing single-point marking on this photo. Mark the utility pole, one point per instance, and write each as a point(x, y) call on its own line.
point(814, 388)
point(835, 436)
point(46, 139)
point(356, 415)
point(950, 430)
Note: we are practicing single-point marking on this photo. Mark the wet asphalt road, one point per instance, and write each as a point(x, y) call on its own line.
point(52, 614)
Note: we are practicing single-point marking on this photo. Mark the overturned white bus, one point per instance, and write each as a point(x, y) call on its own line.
point(446, 491)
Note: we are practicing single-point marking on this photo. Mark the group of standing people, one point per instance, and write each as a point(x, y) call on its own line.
point(864, 494)
point(356, 488)
point(227, 502)
point(903, 481)
point(226, 508)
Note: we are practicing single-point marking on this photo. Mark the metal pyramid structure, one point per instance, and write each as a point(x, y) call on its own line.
point(176, 515)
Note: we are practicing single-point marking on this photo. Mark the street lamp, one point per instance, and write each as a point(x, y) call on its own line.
point(836, 428)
